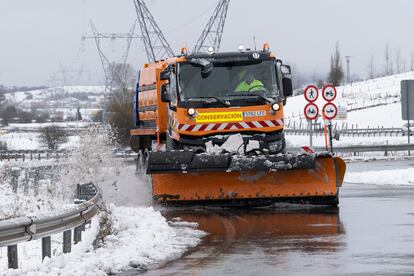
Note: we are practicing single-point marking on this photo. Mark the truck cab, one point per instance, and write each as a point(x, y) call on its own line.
point(194, 99)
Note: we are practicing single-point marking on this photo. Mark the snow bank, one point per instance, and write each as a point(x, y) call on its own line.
point(142, 238)
point(382, 177)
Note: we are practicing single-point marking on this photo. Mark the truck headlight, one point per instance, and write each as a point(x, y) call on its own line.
point(191, 111)
point(275, 107)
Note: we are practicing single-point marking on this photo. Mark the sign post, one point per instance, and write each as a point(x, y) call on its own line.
point(311, 111)
point(407, 100)
point(329, 110)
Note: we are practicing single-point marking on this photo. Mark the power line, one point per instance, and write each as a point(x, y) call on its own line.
point(213, 32)
point(156, 46)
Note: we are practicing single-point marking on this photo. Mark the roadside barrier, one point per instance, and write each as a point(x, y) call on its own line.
point(23, 229)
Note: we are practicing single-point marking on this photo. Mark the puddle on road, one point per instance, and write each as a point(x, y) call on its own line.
point(235, 234)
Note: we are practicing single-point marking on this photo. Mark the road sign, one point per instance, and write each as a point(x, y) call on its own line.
point(311, 93)
point(329, 93)
point(311, 111)
point(407, 99)
point(342, 113)
point(330, 110)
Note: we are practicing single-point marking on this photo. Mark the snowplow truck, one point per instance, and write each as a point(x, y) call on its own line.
point(187, 104)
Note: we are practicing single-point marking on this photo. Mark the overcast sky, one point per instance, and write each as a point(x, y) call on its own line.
point(39, 38)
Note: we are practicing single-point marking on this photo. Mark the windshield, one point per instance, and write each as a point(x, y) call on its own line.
point(228, 81)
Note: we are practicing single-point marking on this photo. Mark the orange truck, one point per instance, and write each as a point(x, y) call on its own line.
point(187, 103)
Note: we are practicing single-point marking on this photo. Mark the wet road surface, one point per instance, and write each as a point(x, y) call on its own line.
point(372, 233)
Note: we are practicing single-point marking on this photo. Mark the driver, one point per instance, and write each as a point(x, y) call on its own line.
point(249, 83)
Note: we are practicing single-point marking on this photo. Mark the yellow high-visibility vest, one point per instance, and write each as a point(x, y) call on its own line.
point(255, 85)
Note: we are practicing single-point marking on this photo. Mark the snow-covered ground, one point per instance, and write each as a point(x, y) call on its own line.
point(141, 238)
point(397, 177)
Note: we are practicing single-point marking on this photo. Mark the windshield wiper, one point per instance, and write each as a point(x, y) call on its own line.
point(226, 103)
point(253, 95)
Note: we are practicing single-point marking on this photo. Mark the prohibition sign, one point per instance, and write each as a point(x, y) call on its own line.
point(330, 110)
point(311, 93)
point(329, 93)
point(311, 111)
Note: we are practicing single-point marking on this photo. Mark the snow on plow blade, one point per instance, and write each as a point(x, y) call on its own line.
point(187, 178)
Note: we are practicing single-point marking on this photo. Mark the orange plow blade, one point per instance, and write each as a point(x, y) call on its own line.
point(318, 184)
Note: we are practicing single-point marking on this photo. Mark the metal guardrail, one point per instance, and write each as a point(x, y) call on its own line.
point(365, 148)
point(372, 148)
point(30, 155)
point(353, 132)
point(22, 229)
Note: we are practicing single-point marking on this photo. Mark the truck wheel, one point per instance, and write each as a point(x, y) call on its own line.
point(142, 161)
point(138, 143)
point(135, 143)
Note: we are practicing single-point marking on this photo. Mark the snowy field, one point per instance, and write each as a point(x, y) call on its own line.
point(63, 101)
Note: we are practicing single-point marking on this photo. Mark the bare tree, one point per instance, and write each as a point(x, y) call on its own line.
point(121, 75)
point(398, 62)
point(371, 67)
point(336, 73)
point(121, 102)
point(412, 61)
point(53, 136)
point(121, 114)
point(388, 66)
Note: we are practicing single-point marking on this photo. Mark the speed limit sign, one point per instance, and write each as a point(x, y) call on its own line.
point(329, 111)
point(329, 93)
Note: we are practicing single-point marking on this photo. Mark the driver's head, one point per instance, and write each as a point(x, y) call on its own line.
point(249, 77)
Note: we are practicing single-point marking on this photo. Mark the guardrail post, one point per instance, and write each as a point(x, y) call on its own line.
point(46, 247)
point(36, 178)
point(15, 173)
point(67, 241)
point(78, 191)
point(12, 256)
point(77, 235)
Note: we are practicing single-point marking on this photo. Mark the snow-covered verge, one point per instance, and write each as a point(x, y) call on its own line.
point(141, 238)
point(319, 141)
point(371, 103)
point(396, 177)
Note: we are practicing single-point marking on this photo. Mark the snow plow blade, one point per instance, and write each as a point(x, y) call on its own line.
point(186, 178)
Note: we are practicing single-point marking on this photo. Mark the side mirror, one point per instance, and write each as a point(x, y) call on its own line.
point(165, 75)
point(287, 87)
point(286, 70)
point(165, 96)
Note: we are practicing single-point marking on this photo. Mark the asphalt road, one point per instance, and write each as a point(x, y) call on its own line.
point(371, 233)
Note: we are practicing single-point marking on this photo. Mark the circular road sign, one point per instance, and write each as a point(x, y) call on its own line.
point(329, 111)
point(311, 111)
point(311, 93)
point(329, 93)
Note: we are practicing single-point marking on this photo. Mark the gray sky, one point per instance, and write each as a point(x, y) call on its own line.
point(37, 37)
